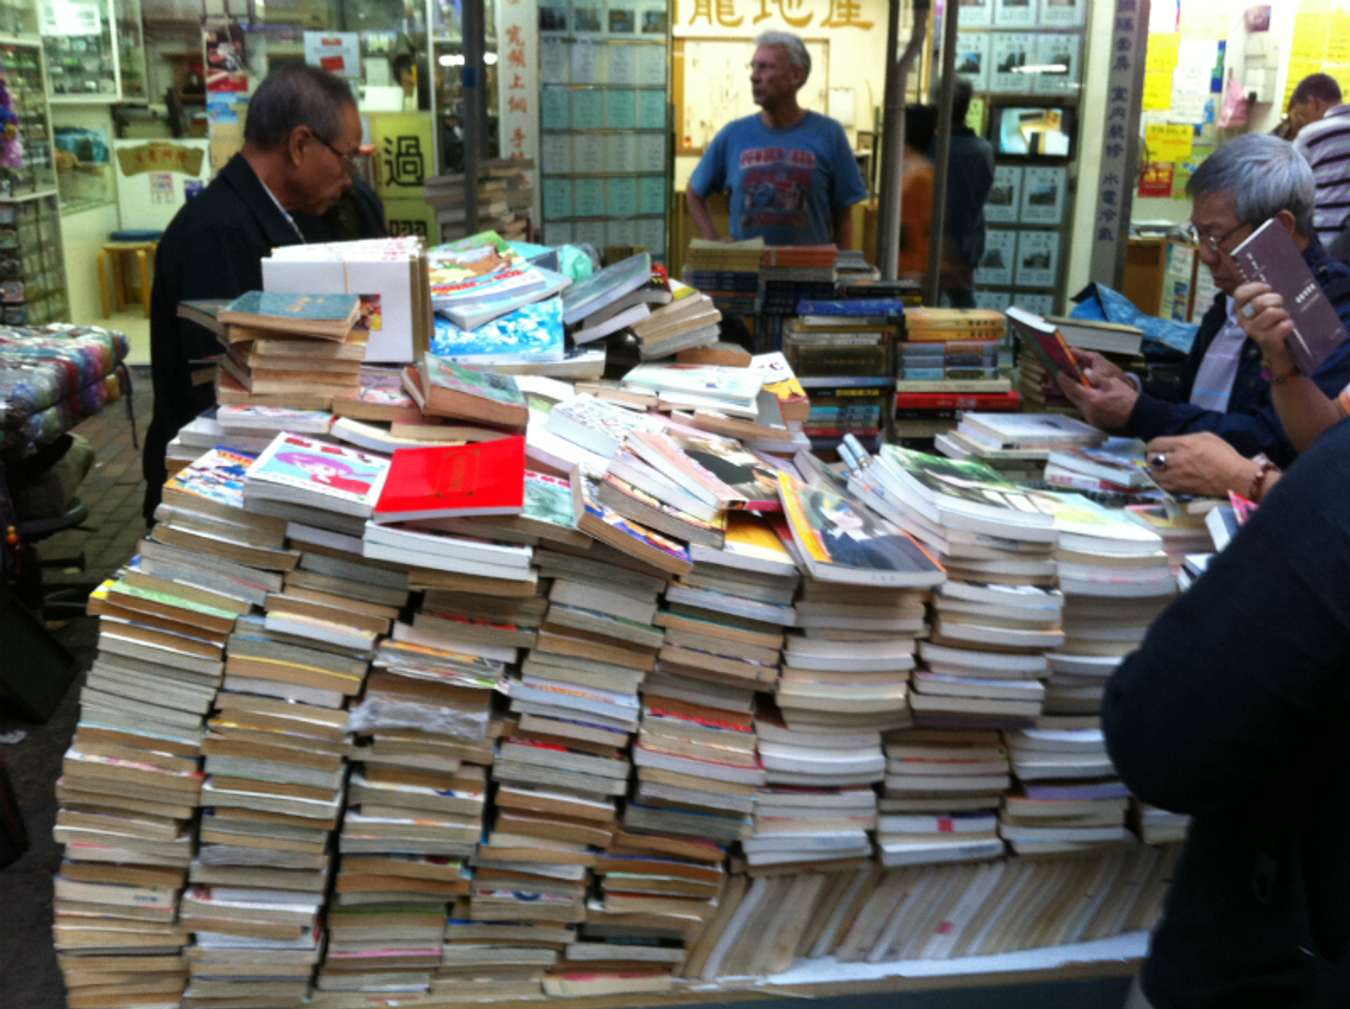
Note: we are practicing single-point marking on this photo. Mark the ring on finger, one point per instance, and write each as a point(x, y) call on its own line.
point(1158, 460)
point(1249, 311)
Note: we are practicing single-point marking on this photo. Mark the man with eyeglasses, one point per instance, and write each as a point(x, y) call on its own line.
point(1226, 388)
point(300, 138)
point(791, 172)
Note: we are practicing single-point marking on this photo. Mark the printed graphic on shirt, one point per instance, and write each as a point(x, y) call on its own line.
point(777, 183)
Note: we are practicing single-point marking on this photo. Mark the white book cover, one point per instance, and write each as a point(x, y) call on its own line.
point(344, 479)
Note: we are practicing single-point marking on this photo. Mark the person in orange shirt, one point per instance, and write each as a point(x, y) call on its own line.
point(916, 191)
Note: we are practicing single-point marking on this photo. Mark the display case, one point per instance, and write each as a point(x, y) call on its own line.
point(32, 274)
point(86, 43)
point(26, 165)
point(18, 17)
point(605, 118)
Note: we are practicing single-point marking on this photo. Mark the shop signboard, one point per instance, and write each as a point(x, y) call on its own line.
point(156, 177)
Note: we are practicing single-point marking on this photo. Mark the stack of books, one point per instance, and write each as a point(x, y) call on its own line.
point(1075, 761)
point(394, 290)
point(843, 354)
point(505, 196)
point(1116, 468)
point(482, 278)
point(998, 612)
point(690, 319)
point(415, 809)
point(941, 796)
point(950, 361)
point(1115, 578)
point(1017, 443)
point(727, 272)
point(289, 350)
point(131, 782)
point(789, 274)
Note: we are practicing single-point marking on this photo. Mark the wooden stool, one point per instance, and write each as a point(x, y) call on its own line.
point(114, 283)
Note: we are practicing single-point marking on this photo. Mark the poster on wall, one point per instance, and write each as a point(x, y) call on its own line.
point(972, 59)
point(337, 52)
point(1014, 13)
point(1009, 53)
point(1043, 194)
point(226, 66)
point(1063, 13)
point(1004, 195)
point(996, 265)
point(156, 177)
point(976, 13)
point(1058, 56)
point(1037, 258)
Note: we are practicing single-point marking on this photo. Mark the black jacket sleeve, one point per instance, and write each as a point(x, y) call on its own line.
point(1249, 670)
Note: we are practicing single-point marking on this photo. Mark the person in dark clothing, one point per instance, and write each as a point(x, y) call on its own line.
point(301, 132)
point(970, 176)
point(1233, 711)
point(1244, 183)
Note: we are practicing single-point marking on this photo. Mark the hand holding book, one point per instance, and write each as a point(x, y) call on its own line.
point(1263, 317)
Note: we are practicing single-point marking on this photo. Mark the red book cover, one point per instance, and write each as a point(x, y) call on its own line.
point(985, 402)
point(482, 478)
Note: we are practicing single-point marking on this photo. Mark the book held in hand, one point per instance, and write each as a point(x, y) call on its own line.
point(1270, 256)
point(485, 478)
point(1047, 343)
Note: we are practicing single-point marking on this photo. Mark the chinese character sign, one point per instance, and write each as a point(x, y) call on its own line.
point(742, 16)
point(403, 152)
point(1116, 178)
point(518, 82)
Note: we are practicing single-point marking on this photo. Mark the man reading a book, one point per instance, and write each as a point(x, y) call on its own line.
point(791, 173)
point(1226, 387)
point(299, 138)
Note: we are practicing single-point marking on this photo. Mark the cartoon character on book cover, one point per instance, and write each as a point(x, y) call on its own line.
point(327, 466)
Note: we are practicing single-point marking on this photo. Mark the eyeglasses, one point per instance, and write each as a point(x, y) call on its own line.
point(348, 160)
point(1210, 241)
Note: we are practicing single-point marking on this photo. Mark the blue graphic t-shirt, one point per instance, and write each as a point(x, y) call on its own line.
point(786, 184)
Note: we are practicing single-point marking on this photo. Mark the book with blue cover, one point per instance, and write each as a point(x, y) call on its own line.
point(586, 297)
point(329, 316)
point(853, 308)
point(532, 333)
point(473, 303)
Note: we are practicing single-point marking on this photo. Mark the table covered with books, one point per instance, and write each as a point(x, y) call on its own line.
point(550, 660)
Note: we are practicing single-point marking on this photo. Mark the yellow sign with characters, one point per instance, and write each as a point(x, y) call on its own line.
point(404, 152)
point(1169, 142)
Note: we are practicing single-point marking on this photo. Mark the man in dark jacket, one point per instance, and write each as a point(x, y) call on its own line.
point(970, 176)
point(301, 132)
point(1246, 182)
point(1234, 711)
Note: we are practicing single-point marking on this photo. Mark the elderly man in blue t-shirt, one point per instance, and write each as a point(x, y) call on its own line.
point(791, 173)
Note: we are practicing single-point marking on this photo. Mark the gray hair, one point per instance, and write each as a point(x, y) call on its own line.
point(792, 45)
point(1263, 175)
point(296, 95)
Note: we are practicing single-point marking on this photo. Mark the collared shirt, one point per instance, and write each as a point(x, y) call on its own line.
point(1219, 367)
point(284, 212)
point(1326, 146)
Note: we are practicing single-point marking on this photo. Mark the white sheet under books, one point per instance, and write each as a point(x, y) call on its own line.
point(827, 970)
